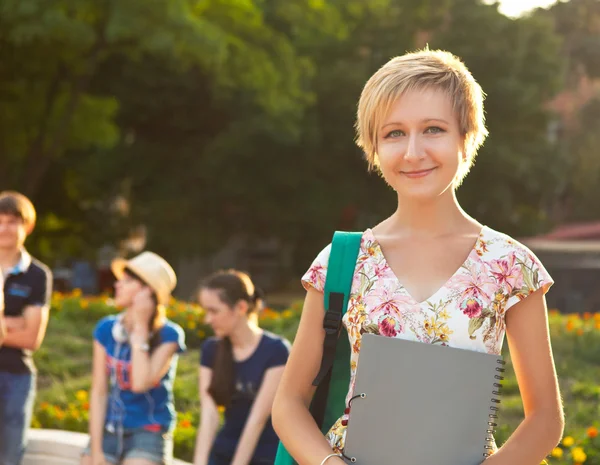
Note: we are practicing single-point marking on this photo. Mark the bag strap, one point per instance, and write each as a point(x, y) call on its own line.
point(345, 247)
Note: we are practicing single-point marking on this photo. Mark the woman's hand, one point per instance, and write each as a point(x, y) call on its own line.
point(143, 308)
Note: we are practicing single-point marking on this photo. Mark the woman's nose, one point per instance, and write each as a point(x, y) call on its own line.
point(413, 148)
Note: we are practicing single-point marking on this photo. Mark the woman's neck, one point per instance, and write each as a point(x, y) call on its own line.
point(128, 321)
point(245, 335)
point(440, 216)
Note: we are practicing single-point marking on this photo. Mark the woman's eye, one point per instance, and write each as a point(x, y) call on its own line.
point(434, 130)
point(394, 133)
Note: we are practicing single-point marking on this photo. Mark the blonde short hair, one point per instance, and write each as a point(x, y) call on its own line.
point(424, 69)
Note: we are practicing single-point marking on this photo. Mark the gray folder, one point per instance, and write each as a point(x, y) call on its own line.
point(422, 404)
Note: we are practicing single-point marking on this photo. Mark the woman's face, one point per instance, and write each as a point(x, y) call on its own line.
point(420, 146)
point(125, 290)
point(222, 318)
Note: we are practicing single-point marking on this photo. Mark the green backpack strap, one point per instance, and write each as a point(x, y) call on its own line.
point(333, 378)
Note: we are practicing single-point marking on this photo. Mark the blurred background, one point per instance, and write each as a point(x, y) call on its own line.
point(220, 132)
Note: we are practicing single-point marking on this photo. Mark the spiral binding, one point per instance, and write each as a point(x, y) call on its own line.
point(345, 422)
point(493, 416)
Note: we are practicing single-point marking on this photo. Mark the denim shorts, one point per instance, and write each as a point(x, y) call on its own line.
point(156, 447)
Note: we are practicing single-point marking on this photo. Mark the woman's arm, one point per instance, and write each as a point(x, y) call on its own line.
point(259, 414)
point(291, 417)
point(147, 370)
point(209, 419)
point(98, 402)
point(531, 354)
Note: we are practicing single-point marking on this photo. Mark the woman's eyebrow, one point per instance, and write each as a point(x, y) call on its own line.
point(426, 120)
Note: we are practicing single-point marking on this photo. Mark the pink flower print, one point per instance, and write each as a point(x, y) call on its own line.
point(389, 327)
point(474, 282)
point(472, 308)
point(315, 276)
point(383, 300)
point(381, 270)
point(507, 273)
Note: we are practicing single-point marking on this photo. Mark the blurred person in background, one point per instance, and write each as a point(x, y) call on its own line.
point(2, 323)
point(27, 294)
point(240, 369)
point(132, 412)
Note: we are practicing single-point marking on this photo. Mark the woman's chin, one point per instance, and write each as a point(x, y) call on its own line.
point(120, 303)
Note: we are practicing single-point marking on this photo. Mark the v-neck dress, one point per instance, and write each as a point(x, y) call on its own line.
point(467, 312)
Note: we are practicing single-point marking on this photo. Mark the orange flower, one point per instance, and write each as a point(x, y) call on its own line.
point(592, 432)
point(587, 316)
point(597, 325)
point(85, 406)
point(185, 424)
point(570, 325)
point(44, 405)
point(580, 332)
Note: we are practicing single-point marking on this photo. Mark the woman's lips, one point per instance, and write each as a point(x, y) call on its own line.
point(417, 174)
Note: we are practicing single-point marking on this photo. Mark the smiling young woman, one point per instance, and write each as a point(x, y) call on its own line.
point(429, 272)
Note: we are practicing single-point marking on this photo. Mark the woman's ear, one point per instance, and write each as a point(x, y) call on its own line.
point(241, 307)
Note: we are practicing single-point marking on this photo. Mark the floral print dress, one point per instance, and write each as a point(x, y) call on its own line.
point(467, 312)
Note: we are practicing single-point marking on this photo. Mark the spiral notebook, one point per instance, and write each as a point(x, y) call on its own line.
point(422, 403)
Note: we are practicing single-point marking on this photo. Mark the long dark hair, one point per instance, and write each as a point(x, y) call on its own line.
point(157, 315)
point(232, 286)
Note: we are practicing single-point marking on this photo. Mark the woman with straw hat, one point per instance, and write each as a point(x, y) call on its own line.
point(132, 413)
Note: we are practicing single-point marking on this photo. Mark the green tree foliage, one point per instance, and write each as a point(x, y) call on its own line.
point(578, 124)
point(221, 117)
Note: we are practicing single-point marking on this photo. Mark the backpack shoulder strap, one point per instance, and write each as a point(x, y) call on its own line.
point(338, 284)
point(340, 270)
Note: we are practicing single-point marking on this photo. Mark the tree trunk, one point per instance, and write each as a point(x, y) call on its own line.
point(42, 153)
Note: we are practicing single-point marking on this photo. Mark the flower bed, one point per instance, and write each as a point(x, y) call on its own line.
point(65, 357)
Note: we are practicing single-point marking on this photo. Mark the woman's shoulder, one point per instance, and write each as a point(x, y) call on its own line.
point(172, 332)
point(317, 273)
point(276, 342)
point(103, 329)
point(209, 343)
point(366, 240)
point(496, 244)
point(106, 322)
point(171, 326)
point(275, 350)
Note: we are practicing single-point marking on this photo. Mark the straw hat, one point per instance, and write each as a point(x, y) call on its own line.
point(153, 270)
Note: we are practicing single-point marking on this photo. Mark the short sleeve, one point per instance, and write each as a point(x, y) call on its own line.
point(103, 330)
point(531, 277)
point(173, 333)
point(279, 353)
point(208, 352)
point(41, 292)
point(317, 273)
